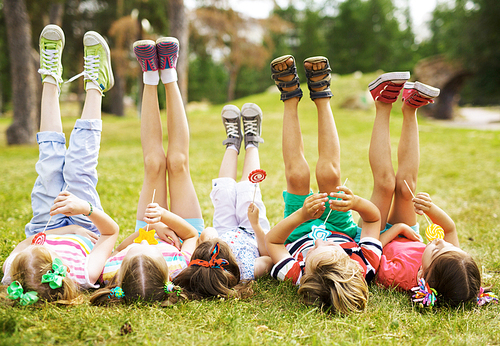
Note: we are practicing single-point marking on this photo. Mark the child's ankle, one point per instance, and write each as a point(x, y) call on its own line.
point(151, 77)
point(168, 75)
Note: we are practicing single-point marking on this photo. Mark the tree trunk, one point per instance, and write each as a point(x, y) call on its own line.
point(231, 88)
point(23, 84)
point(179, 29)
point(115, 96)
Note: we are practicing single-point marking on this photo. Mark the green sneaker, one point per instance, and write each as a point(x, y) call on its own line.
point(97, 63)
point(51, 47)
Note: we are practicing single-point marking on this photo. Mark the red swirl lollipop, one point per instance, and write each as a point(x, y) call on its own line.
point(39, 239)
point(257, 175)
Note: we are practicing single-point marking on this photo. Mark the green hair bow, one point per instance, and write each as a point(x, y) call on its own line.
point(15, 291)
point(56, 276)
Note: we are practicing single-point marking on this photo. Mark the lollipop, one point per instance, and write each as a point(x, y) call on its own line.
point(256, 176)
point(433, 231)
point(39, 239)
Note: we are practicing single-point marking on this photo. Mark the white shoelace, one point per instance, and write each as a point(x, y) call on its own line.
point(90, 70)
point(50, 59)
point(250, 127)
point(232, 129)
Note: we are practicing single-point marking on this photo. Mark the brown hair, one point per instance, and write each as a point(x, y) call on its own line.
point(205, 282)
point(141, 277)
point(335, 284)
point(28, 267)
point(455, 276)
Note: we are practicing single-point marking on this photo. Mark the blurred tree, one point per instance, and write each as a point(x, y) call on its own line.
point(22, 129)
point(469, 32)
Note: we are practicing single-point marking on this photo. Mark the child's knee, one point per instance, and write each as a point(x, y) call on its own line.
point(154, 163)
point(177, 163)
point(263, 265)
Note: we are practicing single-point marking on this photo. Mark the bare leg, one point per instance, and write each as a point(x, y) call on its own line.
point(380, 161)
point(153, 152)
point(252, 162)
point(183, 199)
point(408, 162)
point(296, 168)
point(92, 105)
point(229, 164)
point(50, 119)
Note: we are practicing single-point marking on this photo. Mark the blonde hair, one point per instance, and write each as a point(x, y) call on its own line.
point(28, 267)
point(206, 282)
point(335, 284)
point(141, 277)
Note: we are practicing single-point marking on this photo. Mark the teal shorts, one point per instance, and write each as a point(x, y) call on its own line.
point(338, 221)
point(196, 223)
point(415, 229)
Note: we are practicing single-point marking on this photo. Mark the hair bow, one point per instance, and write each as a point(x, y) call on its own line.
point(15, 291)
point(169, 287)
point(486, 297)
point(149, 236)
point(424, 295)
point(55, 276)
point(213, 263)
point(116, 292)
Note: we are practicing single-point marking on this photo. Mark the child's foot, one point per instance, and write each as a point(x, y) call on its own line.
point(251, 116)
point(168, 52)
point(97, 62)
point(231, 119)
point(146, 54)
point(284, 73)
point(51, 46)
point(386, 87)
point(418, 94)
point(318, 73)
point(97, 71)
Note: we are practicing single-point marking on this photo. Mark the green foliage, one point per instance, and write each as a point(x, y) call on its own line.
point(459, 168)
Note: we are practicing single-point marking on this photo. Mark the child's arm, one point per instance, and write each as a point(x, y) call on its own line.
point(70, 205)
point(253, 217)
point(398, 229)
point(423, 204)
point(313, 208)
point(368, 212)
point(154, 213)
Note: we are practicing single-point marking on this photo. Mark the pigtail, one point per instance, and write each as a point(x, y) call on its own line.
point(108, 296)
point(173, 294)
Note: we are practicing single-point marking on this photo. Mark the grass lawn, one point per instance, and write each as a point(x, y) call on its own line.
point(460, 169)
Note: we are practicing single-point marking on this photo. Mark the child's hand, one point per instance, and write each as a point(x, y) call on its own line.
point(87, 234)
point(166, 234)
point(346, 201)
point(253, 213)
point(68, 204)
point(153, 213)
point(422, 203)
point(314, 205)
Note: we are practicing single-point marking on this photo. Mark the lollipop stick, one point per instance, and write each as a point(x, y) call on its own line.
point(331, 208)
point(428, 221)
point(50, 218)
point(152, 201)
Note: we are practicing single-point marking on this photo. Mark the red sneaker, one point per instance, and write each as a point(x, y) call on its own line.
point(418, 94)
point(386, 87)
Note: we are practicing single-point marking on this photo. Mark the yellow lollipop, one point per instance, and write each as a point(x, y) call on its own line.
point(434, 232)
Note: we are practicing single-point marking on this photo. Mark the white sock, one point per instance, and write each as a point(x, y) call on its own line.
point(49, 79)
point(249, 145)
point(232, 146)
point(151, 77)
point(168, 75)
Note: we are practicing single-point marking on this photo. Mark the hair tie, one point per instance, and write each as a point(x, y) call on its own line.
point(55, 276)
point(213, 263)
point(116, 292)
point(15, 291)
point(424, 295)
point(486, 297)
point(169, 287)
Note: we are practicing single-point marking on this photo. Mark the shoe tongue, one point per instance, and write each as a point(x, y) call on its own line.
point(51, 45)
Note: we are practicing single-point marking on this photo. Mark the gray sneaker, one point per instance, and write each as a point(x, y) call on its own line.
point(251, 116)
point(231, 120)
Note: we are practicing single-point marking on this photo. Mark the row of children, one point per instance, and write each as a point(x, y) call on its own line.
point(171, 256)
